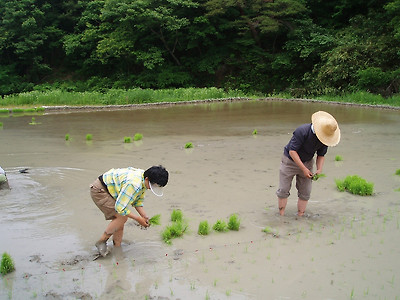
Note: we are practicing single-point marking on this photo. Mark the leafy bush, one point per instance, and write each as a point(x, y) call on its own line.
point(355, 185)
point(138, 137)
point(234, 222)
point(7, 264)
point(204, 228)
point(155, 220)
point(220, 226)
point(176, 229)
point(176, 215)
point(188, 145)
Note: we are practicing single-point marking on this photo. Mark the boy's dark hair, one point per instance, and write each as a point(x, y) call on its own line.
point(157, 174)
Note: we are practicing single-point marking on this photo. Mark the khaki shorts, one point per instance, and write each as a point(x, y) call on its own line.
point(287, 171)
point(102, 198)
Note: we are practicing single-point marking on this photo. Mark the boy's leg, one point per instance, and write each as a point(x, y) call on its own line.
point(116, 226)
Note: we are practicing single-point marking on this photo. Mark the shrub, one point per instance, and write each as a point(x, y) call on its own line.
point(138, 137)
point(176, 215)
point(338, 158)
point(7, 264)
point(155, 220)
point(355, 185)
point(234, 222)
point(220, 226)
point(204, 228)
point(176, 229)
point(188, 145)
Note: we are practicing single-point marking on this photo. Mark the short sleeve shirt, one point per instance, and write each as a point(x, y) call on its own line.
point(127, 186)
point(305, 142)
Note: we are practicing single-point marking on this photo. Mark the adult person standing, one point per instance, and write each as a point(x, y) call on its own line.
point(298, 158)
point(117, 189)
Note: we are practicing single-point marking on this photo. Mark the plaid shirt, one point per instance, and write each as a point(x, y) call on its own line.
point(126, 186)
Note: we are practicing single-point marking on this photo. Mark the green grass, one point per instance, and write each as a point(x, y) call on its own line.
point(127, 139)
point(204, 228)
point(7, 264)
point(155, 220)
point(1, 124)
point(176, 215)
point(4, 111)
point(338, 158)
point(234, 222)
point(397, 172)
point(174, 230)
point(318, 176)
point(89, 137)
point(255, 131)
point(116, 97)
point(137, 137)
point(188, 145)
point(355, 185)
point(220, 226)
point(67, 137)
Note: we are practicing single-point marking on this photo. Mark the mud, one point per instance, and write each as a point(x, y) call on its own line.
point(346, 246)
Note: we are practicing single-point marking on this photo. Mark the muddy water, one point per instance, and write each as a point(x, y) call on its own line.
point(346, 247)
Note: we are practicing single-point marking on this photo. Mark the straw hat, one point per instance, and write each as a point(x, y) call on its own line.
point(326, 128)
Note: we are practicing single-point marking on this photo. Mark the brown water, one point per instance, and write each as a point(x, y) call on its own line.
point(346, 248)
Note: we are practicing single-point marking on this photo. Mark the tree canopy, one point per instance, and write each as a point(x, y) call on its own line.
point(306, 47)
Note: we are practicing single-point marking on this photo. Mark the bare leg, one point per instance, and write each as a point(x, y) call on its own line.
point(117, 237)
point(116, 227)
point(282, 202)
point(301, 207)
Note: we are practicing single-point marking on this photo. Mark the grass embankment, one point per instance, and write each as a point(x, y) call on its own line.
point(141, 96)
point(114, 97)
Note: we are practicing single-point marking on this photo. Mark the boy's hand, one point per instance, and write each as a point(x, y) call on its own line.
point(143, 222)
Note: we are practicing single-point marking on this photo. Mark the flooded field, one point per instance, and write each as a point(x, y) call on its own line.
point(346, 248)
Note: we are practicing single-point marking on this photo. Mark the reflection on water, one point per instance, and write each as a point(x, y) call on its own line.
point(48, 211)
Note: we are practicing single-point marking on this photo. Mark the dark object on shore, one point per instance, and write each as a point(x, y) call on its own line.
point(24, 170)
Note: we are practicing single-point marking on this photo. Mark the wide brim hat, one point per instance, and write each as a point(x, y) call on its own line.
point(326, 128)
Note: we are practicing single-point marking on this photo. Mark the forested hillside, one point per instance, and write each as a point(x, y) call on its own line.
point(307, 47)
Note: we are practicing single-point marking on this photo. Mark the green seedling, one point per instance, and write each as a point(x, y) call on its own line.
point(176, 215)
point(255, 131)
point(338, 158)
point(398, 172)
point(7, 264)
point(67, 137)
point(18, 110)
point(1, 124)
point(318, 176)
point(355, 185)
point(30, 110)
point(176, 229)
point(234, 222)
point(127, 139)
point(4, 111)
point(39, 109)
point(220, 226)
point(188, 145)
point(33, 121)
point(204, 228)
point(138, 137)
point(89, 137)
point(155, 220)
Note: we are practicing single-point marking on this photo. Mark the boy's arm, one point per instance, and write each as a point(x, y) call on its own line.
point(296, 158)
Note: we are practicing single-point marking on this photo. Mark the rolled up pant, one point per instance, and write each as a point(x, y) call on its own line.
point(287, 171)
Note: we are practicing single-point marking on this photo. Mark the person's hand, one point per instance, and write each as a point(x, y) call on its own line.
point(307, 173)
point(143, 221)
